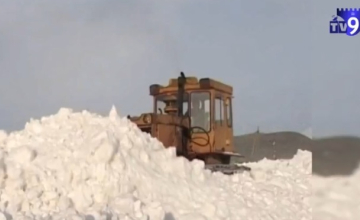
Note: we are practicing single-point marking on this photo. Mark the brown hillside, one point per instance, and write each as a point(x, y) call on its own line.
point(336, 155)
point(331, 156)
point(278, 145)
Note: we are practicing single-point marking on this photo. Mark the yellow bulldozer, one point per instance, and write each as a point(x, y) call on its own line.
point(195, 116)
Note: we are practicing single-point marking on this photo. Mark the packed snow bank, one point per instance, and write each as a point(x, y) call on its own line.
point(85, 166)
point(336, 198)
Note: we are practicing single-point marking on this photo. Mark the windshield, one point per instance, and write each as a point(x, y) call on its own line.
point(200, 111)
point(163, 100)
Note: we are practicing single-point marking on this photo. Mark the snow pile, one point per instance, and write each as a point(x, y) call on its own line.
point(336, 198)
point(85, 166)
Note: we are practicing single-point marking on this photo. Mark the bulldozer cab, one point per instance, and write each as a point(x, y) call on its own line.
point(206, 105)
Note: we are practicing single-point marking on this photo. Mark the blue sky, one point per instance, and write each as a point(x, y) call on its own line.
point(287, 71)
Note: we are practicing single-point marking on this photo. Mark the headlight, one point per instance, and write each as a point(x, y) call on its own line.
point(147, 118)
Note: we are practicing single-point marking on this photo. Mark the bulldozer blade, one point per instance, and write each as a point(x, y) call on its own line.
point(228, 169)
point(233, 154)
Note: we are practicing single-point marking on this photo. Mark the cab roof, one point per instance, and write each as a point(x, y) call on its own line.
point(192, 83)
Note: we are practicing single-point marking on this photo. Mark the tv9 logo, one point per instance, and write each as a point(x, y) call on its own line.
point(346, 21)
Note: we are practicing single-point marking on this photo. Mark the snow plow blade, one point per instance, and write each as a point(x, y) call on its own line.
point(233, 154)
point(227, 169)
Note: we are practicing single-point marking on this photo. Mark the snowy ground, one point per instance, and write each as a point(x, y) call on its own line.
point(78, 165)
point(336, 198)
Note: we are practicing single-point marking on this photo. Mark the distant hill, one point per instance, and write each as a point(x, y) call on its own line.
point(278, 145)
point(331, 156)
point(308, 132)
point(336, 155)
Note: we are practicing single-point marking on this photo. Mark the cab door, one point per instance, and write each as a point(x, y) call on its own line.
point(220, 124)
point(229, 124)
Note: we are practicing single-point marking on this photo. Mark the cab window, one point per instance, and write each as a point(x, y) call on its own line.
point(219, 111)
point(229, 112)
point(200, 111)
point(162, 101)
